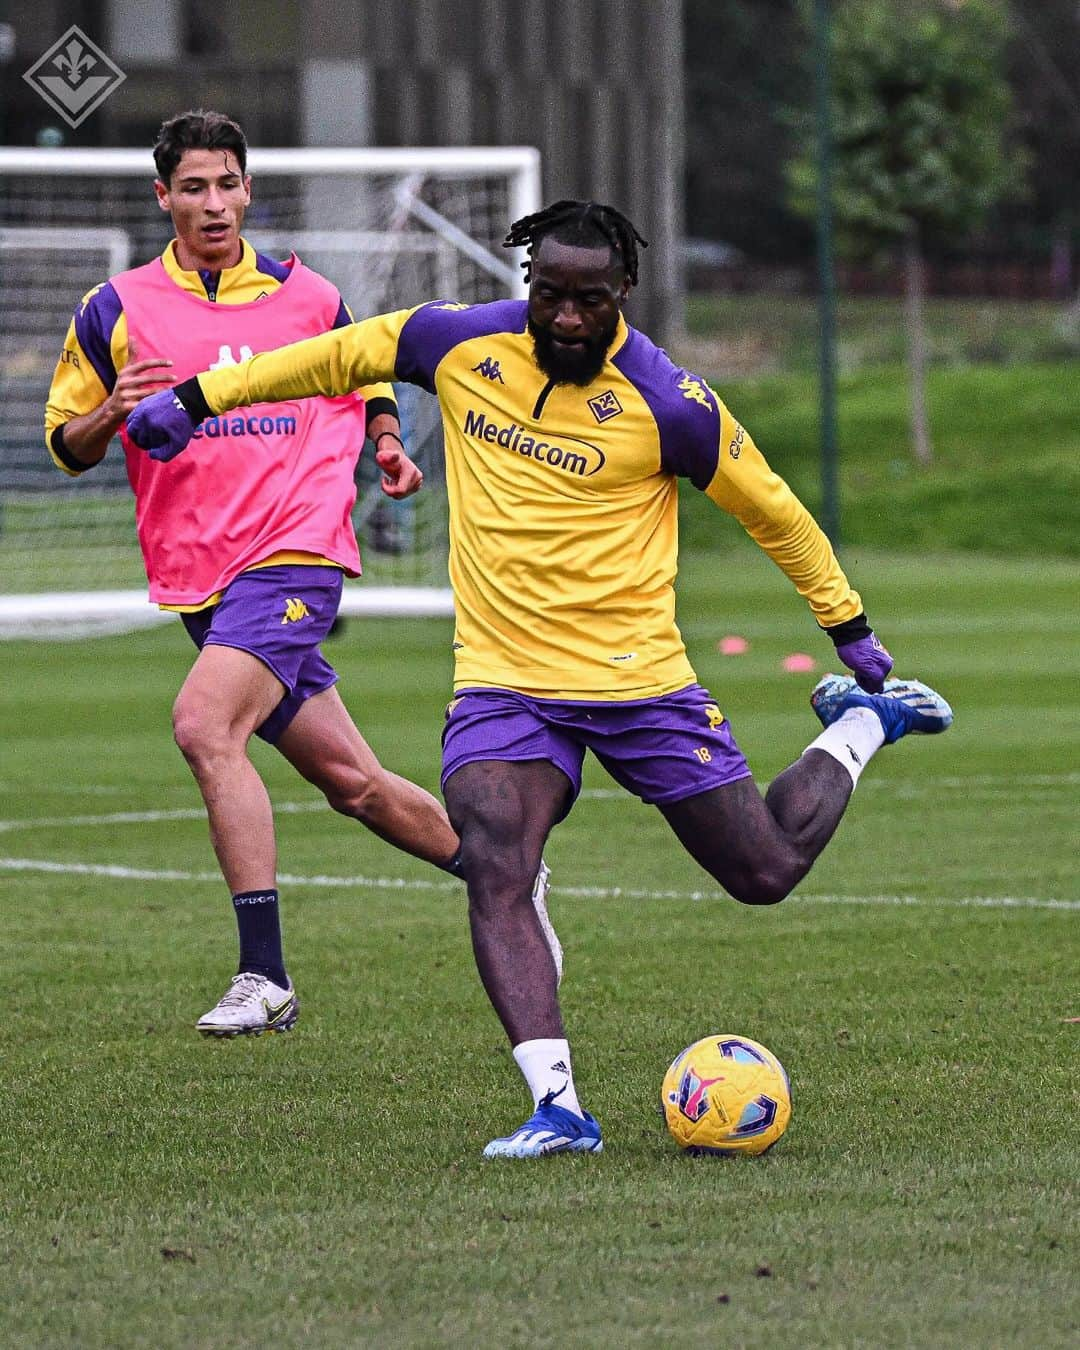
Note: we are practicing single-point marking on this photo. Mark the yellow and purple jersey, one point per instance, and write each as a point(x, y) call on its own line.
point(96, 346)
point(563, 499)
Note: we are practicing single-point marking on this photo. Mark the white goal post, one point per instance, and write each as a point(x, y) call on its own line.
point(390, 228)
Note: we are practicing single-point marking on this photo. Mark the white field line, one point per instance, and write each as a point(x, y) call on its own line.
point(141, 817)
point(1000, 784)
point(121, 873)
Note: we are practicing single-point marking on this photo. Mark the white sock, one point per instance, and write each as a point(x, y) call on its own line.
point(546, 1067)
point(852, 739)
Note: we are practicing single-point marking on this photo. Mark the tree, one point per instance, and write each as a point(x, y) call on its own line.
point(919, 111)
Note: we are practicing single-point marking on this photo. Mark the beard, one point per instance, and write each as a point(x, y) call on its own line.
point(571, 365)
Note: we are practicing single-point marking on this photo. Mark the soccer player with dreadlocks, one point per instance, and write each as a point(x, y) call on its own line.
point(566, 433)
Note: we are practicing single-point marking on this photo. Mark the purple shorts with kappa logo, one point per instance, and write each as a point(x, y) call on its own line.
point(280, 615)
point(661, 749)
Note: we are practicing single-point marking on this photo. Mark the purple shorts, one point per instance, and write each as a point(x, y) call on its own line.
point(661, 749)
point(280, 615)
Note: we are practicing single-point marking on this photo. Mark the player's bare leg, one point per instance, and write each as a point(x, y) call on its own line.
point(758, 848)
point(324, 745)
point(226, 695)
point(504, 813)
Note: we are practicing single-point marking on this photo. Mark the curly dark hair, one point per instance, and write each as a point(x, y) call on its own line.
point(197, 130)
point(572, 222)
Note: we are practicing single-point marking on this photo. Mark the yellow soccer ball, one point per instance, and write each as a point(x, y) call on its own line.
point(726, 1094)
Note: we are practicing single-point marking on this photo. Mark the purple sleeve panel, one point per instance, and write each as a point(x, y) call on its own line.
point(271, 267)
point(435, 329)
point(343, 318)
point(95, 320)
point(683, 406)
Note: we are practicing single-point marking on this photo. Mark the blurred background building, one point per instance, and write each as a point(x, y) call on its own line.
point(595, 85)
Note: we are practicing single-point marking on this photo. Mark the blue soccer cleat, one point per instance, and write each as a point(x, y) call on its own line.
point(550, 1129)
point(903, 706)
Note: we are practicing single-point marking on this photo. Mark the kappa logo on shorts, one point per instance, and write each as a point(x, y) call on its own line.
point(715, 716)
point(295, 610)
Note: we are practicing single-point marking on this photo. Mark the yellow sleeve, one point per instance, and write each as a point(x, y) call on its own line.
point(76, 387)
point(768, 510)
point(379, 393)
point(373, 393)
point(333, 363)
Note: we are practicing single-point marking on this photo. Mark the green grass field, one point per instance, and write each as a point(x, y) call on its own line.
point(325, 1188)
point(770, 333)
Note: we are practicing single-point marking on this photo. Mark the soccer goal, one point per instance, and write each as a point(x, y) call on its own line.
point(390, 228)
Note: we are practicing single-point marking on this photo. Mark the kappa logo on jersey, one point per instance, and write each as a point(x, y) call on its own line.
point(225, 357)
point(450, 304)
point(295, 610)
point(489, 369)
point(605, 406)
point(584, 460)
point(694, 389)
point(735, 448)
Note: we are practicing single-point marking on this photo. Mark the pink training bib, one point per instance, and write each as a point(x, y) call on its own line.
point(271, 478)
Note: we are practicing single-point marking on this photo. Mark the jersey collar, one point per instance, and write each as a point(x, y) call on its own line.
point(622, 332)
point(195, 282)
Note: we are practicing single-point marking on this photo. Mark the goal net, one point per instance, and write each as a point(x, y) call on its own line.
point(390, 228)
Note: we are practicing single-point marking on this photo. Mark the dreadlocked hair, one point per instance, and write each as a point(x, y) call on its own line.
point(572, 222)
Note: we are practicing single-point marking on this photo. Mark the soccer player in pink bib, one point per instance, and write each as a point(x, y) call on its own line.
point(250, 539)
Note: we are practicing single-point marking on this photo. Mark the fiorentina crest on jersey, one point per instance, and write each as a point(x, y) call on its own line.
point(605, 406)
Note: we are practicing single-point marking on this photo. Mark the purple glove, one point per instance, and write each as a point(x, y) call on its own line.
point(161, 424)
point(868, 660)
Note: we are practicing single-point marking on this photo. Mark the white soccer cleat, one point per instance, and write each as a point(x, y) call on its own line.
point(251, 1005)
point(541, 886)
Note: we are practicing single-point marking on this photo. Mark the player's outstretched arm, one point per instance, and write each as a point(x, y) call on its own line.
point(746, 487)
point(331, 364)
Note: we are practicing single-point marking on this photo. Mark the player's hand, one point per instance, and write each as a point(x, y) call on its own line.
point(161, 424)
point(136, 380)
point(867, 660)
point(401, 477)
